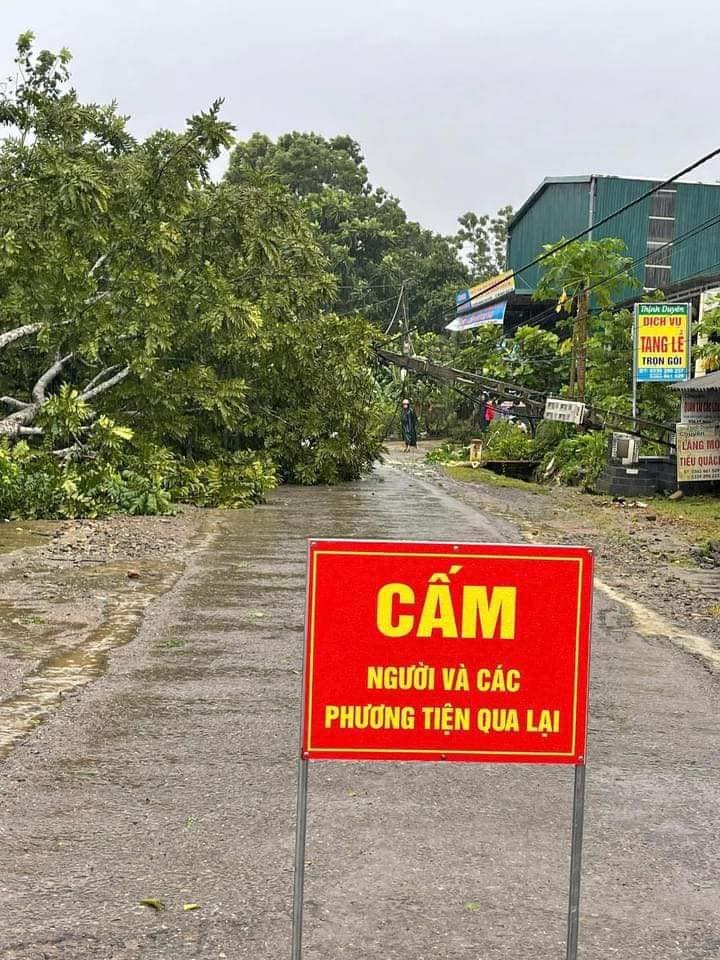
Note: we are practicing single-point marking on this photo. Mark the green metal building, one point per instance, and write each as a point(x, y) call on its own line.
point(563, 206)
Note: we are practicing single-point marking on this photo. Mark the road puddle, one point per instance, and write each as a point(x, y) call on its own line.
point(69, 654)
point(17, 534)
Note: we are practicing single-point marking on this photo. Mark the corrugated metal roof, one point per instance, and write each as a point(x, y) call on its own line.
point(538, 190)
point(562, 209)
point(710, 381)
point(597, 176)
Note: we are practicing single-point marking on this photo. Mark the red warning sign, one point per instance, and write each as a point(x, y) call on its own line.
point(433, 651)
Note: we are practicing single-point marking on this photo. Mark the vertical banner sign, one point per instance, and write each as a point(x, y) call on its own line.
point(702, 406)
point(427, 651)
point(662, 342)
point(698, 452)
point(446, 651)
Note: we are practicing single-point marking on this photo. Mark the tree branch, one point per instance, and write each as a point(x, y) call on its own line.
point(75, 451)
point(11, 335)
point(18, 424)
point(67, 452)
point(38, 391)
point(101, 376)
point(14, 422)
point(13, 427)
point(15, 404)
point(98, 263)
point(88, 394)
point(97, 298)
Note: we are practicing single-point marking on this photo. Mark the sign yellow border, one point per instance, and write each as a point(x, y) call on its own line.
point(470, 556)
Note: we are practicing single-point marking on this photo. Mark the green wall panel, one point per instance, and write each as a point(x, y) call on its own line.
point(700, 254)
point(561, 210)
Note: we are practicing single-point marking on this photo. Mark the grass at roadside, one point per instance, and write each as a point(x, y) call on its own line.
point(701, 514)
point(467, 474)
point(698, 517)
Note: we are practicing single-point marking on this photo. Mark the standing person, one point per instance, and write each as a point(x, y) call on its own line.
point(408, 423)
point(489, 414)
point(483, 411)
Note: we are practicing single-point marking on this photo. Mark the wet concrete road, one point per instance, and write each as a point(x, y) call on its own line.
point(173, 778)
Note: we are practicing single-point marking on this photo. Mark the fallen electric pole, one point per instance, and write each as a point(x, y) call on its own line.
point(532, 400)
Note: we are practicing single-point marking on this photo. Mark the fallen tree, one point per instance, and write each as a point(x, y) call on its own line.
point(137, 299)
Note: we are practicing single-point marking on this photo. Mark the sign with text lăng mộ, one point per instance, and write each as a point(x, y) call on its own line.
point(698, 452)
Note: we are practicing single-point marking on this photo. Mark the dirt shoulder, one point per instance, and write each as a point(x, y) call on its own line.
point(653, 552)
point(70, 593)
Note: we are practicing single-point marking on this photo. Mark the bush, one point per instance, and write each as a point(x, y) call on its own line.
point(576, 460)
point(548, 435)
point(448, 453)
point(240, 480)
point(569, 457)
point(149, 481)
point(502, 441)
point(506, 441)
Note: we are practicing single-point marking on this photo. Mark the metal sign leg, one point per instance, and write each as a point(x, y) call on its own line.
point(299, 881)
point(576, 861)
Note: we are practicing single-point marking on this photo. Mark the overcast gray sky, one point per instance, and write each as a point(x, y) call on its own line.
point(458, 104)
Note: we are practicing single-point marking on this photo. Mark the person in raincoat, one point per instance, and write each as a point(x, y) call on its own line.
point(408, 423)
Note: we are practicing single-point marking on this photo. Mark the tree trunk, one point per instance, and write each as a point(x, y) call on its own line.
point(581, 341)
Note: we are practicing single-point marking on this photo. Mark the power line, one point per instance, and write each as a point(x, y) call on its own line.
point(599, 223)
point(365, 306)
point(397, 307)
point(688, 235)
point(534, 400)
point(551, 313)
point(550, 358)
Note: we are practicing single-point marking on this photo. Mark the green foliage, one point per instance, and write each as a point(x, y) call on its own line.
point(577, 460)
point(600, 264)
point(609, 351)
point(162, 336)
point(609, 376)
point(448, 452)
point(503, 440)
point(574, 276)
point(483, 242)
point(239, 480)
point(317, 410)
point(535, 360)
point(441, 410)
point(549, 434)
point(137, 480)
point(506, 441)
point(371, 246)
point(532, 357)
point(64, 415)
